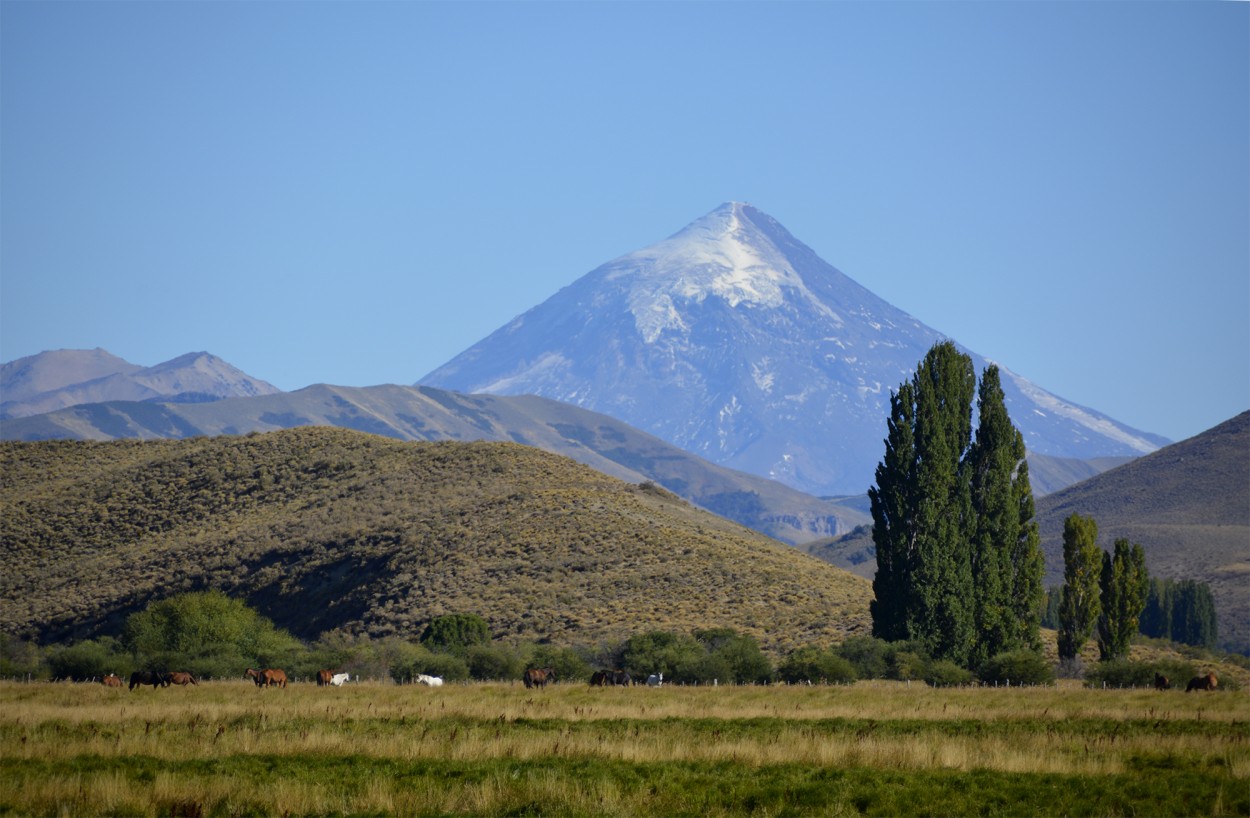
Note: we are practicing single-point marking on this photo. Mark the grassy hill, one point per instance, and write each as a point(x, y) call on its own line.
point(423, 413)
point(1188, 505)
point(323, 528)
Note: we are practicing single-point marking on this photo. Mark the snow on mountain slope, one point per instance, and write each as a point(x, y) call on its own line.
point(735, 341)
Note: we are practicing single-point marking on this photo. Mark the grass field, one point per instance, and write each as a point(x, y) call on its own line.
point(229, 748)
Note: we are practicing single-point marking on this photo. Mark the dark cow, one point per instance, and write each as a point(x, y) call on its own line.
point(149, 677)
point(324, 677)
point(538, 676)
point(1208, 682)
point(112, 680)
point(178, 677)
point(1162, 683)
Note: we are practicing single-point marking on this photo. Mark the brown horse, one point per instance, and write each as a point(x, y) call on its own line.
point(112, 680)
point(324, 677)
point(538, 676)
point(178, 677)
point(1162, 683)
point(275, 678)
point(1208, 682)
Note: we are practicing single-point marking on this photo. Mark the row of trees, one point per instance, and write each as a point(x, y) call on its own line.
point(1103, 591)
point(959, 561)
point(1182, 611)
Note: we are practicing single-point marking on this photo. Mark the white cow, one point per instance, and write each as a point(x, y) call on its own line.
point(432, 681)
point(338, 679)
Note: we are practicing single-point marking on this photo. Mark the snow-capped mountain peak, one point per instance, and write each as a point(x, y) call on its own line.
point(735, 341)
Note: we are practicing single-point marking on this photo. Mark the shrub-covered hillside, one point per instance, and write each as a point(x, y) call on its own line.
point(321, 529)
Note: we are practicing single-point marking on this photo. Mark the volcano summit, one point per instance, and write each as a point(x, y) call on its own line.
point(736, 342)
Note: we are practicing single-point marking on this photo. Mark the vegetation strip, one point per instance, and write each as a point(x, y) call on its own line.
point(347, 785)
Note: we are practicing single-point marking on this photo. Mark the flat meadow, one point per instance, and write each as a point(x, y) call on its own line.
point(228, 748)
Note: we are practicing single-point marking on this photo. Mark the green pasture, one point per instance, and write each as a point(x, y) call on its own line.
point(875, 748)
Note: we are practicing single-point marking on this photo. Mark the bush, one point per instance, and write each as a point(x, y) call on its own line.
point(1124, 673)
point(566, 662)
point(868, 655)
point(813, 664)
point(456, 632)
point(408, 661)
point(20, 658)
point(489, 663)
point(944, 673)
point(1018, 667)
point(207, 624)
point(734, 657)
point(88, 660)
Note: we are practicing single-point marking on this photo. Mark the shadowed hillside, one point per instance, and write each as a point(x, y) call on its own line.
point(322, 528)
point(1187, 504)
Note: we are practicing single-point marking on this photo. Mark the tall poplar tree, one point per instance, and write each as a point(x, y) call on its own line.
point(1006, 557)
point(921, 505)
point(894, 521)
point(1079, 604)
point(1124, 585)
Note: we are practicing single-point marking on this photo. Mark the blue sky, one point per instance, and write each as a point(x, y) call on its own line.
point(354, 193)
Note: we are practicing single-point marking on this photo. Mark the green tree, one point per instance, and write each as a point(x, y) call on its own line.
point(921, 505)
point(1124, 585)
point(1079, 604)
point(1006, 557)
point(740, 655)
point(455, 632)
point(1193, 614)
point(207, 632)
point(811, 664)
point(1156, 617)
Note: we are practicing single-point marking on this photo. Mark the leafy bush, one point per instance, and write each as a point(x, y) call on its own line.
point(91, 659)
point(814, 664)
point(868, 655)
point(945, 673)
point(206, 624)
point(1125, 673)
point(19, 658)
point(408, 661)
point(1018, 667)
point(734, 657)
point(566, 662)
point(494, 663)
point(456, 632)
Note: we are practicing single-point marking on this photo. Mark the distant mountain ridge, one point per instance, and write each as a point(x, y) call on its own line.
point(57, 379)
point(426, 413)
point(735, 341)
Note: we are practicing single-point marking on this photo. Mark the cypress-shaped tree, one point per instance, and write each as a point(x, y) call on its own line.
point(1156, 617)
point(1006, 557)
point(1124, 585)
point(1193, 614)
point(921, 506)
point(1079, 604)
point(894, 531)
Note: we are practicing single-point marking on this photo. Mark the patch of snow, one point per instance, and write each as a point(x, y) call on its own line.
point(546, 365)
point(1075, 414)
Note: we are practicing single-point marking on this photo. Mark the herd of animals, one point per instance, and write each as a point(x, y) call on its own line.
point(533, 677)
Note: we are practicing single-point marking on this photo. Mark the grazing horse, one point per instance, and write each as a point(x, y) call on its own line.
point(600, 678)
point(112, 680)
point(431, 681)
point(338, 679)
point(179, 678)
point(1208, 682)
point(324, 677)
point(267, 678)
point(622, 678)
point(538, 676)
point(1162, 683)
point(148, 677)
point(655, 679)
